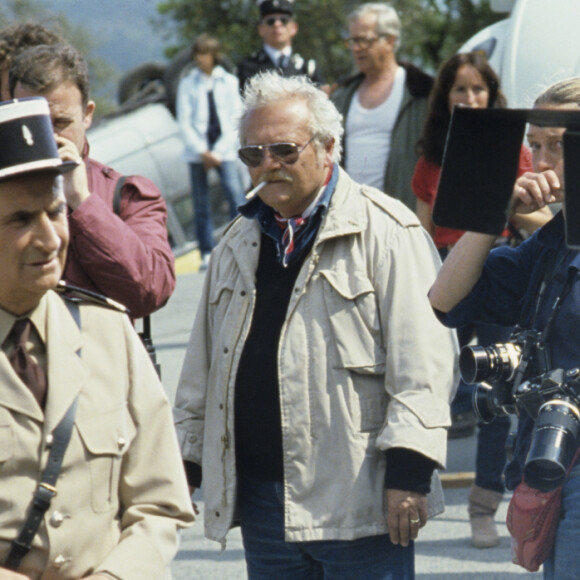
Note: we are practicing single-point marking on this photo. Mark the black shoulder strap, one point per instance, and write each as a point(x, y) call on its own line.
point(145, 334)
point(46, 489)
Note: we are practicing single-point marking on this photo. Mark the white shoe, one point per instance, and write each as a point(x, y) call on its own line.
point(204, 261)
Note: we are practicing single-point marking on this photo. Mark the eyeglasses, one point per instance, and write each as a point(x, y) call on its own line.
point(362, 41)
point(287, 153)
point(271, 20)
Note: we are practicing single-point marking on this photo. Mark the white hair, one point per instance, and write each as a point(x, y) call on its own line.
point(388, 22)
point(269, 88)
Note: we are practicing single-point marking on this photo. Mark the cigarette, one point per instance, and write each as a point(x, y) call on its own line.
point(254, 191)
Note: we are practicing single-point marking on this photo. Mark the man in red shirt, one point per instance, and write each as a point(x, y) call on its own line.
point(126, 257)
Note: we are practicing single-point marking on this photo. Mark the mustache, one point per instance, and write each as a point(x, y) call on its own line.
point(279, 175)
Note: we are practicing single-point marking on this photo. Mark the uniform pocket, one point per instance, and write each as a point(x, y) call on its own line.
point(353, 313)
point(106, 437)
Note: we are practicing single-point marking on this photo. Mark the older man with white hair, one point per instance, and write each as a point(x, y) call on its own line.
point(315, 393)
point(384, 105)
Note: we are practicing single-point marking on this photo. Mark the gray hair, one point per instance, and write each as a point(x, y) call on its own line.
point(388, 22)
point(566, 92)
point(269, 88)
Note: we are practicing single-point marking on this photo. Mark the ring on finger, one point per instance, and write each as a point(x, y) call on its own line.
point(415, 522)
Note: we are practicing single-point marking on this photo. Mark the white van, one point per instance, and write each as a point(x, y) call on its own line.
point(536, 45)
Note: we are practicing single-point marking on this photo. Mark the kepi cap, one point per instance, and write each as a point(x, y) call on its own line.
point(268, 7)
point(27, 143)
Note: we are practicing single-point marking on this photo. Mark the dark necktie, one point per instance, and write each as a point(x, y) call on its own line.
point(213, 129)
point(31, 374)
point(282, 61)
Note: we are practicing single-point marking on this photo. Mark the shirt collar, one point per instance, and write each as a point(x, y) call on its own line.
point(37, 317)
point(274, 54)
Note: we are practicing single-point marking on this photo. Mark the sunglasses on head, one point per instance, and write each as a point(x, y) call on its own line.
point(271, 20)
point(287, 153)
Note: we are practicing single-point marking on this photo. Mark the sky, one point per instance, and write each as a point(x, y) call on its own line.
point(122, 29)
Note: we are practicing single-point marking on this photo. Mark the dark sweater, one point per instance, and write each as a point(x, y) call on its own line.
point(257, 402)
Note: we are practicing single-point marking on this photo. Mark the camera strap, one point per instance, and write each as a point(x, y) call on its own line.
point(543, 358)
point(145, 333)
point(46, 489)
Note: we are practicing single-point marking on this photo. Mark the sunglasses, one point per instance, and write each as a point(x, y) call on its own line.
point(271, 20)
point(287, 153)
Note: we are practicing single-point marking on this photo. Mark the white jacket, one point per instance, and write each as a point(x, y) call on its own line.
point(193, 114)
point(363, 366)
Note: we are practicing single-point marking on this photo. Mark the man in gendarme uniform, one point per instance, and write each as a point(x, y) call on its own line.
point(120, 497)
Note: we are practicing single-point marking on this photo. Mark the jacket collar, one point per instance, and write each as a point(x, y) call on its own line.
point(418, 83)
point(345, 216)
point(552, 236)
point(66, 371)
point(346, 213)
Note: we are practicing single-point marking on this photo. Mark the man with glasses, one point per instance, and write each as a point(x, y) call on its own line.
point(277, 28)
point(314, 397)
point(383, 106)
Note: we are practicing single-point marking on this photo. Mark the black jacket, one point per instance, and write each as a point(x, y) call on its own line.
point(260, 61)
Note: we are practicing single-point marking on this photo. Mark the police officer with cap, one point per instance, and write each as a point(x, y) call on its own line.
point(92, 483)
point(277, 28)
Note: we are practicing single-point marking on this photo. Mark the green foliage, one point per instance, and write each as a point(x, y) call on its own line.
point(101, 73)
point(432, 29)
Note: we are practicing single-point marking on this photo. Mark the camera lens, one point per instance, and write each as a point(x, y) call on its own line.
point(491, 402)
point(495, 362)
point(554, 443)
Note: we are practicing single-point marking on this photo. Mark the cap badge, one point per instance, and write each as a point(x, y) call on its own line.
point(27, 135)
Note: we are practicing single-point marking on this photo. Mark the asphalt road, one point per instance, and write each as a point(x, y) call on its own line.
point(443, 551)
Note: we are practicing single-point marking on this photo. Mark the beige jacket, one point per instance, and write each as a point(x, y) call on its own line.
point(122, 494)
point(363, 366)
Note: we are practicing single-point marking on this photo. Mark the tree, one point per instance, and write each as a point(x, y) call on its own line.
point(432, 29)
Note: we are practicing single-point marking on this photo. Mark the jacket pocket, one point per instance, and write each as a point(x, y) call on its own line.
point(106, 437)
point(220, 300)
point(353, 316)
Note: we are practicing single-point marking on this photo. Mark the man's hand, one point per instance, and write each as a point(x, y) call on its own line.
point(76, 186)
point(534, 191)
point(6, 574)
point(210, 160)
point(407, 514)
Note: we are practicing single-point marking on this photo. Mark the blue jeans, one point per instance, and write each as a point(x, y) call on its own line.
point(268, 555)
point(564, 563)
point(233, 190)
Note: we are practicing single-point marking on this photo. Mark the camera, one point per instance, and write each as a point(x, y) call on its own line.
point(551, 398)
point(497, 365)
point(554, 399)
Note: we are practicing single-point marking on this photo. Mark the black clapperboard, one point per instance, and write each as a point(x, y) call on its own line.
point(480, 164)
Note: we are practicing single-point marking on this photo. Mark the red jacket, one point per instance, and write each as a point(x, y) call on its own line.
point(128, 257)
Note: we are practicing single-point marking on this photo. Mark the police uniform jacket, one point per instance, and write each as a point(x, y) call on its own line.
point(121, 495)
point(260, 62)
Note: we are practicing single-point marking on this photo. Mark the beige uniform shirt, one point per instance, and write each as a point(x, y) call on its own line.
point(122, 495)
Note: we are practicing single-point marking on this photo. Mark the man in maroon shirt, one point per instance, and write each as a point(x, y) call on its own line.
point(126, 257)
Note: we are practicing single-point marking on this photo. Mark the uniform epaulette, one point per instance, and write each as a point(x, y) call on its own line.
point(395, 208)
point(81, 295)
